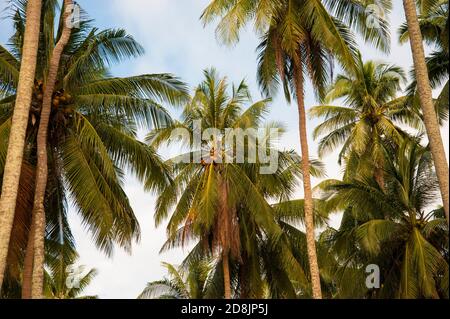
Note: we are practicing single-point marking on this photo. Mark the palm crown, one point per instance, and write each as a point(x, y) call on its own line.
point(372, 110)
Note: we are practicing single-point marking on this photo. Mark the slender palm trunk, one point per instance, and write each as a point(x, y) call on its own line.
point(226, 274)
point(379, 177)
point(426, 101)
point(18, 129)
point(243, 282)
point(27, 275)
point(309, 208)
point(42, 165)
point(225, 234)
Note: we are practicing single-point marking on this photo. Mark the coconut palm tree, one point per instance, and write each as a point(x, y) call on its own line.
point(22, 78)
point(426, 100)
point(199, 189)
point(191, 283)
point(93, 122)
point(38, 220)
point(370, 116)
point(393, 229)
point(205, 190)
point(299, 37)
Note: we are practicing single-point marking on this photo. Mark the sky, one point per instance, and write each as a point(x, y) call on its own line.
point(175, 41)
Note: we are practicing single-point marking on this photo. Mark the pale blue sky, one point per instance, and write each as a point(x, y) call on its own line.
point(176, 42)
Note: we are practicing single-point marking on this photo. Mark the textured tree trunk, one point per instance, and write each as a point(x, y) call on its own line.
point(379, 177)
point(426, 101)
point(309, 208)
point(226, 275)
point(228, 233)
point(243, 282)
point(42, 165)
point(27, 275)
point(18, 129)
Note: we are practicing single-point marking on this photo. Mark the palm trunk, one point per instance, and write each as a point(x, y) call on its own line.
point(42, 165)
point(27, 275)
point(379, 177)
point(426, 101)
point(228, 236)
point(309, 208)
point(226, 274)
point(243, 282)
point(18, 129)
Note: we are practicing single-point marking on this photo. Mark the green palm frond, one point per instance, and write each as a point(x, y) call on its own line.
point(9, 69)
point(357, 14)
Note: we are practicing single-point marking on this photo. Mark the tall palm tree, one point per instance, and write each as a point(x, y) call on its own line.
point(393, 229)
point(426, 101)
point(196, 194)
point(93, 121)
point(434, 28)
point(10, 75)
point(38, 219)
point(190, 283)
point(299, 37)
point(208, 191)
point(370, 116)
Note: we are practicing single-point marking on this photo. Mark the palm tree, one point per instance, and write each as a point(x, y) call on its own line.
point(93, 122)
point(38, 219)
point(369, 118)
point(195, 192)
point(10, 75)
point(426, 101)
point(208, 190)
point(392, 229)
point(191, 283)
point(299, 37)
